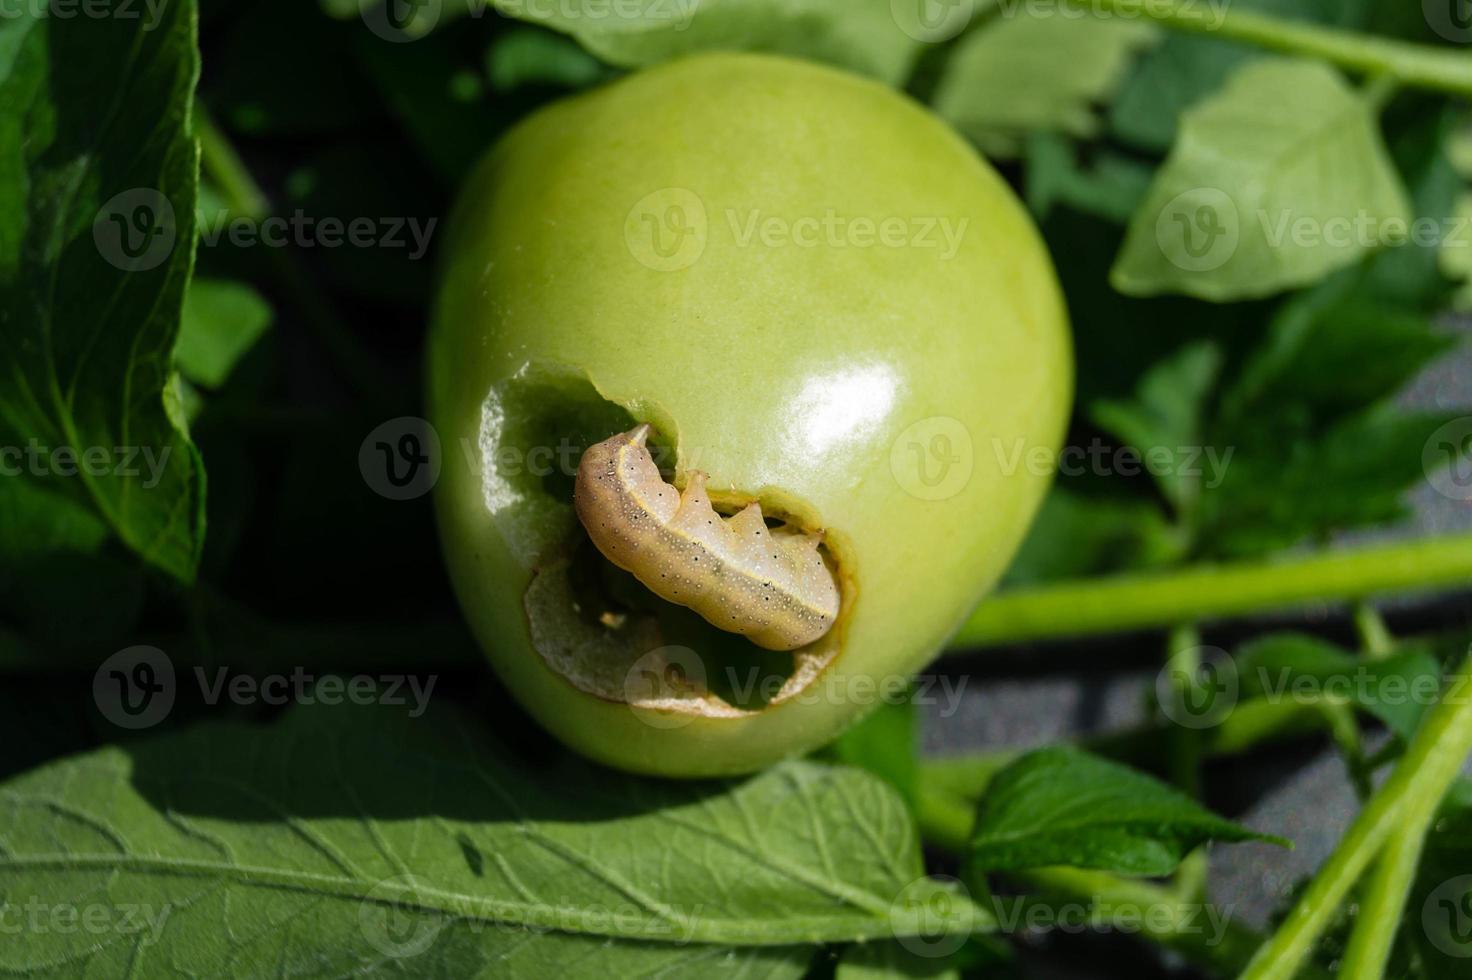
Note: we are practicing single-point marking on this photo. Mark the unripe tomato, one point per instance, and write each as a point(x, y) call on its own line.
point(818, 295)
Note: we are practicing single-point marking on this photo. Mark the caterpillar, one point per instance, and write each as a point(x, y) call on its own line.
point(770, 585)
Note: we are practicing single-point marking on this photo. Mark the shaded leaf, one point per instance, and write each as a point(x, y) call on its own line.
point(1274, 182)
point(1060, 806)
point(355, 838)
point(1167, 415)
point(95, 251)
point(222, 320)
point(1019, 74)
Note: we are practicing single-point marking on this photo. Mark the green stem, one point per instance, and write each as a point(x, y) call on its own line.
point(1375, 637)
point(1421, 779)
point(242, 194)
point(1344, 728)
point(1184, 661)
point(1420, 65)
point(1384, 900)
point(1207, 592)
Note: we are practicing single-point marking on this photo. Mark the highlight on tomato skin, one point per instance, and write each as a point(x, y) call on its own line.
point(613, 264)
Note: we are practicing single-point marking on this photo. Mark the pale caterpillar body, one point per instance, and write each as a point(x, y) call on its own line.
point(770, 585)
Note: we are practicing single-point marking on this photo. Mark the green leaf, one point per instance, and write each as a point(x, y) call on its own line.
point(1397, 690)
point(222, 321)
point(1016, 75)
point(96, 243)
point(862, 37)
point(1110, 187)
point(1456, 254)
point(1166, 415)
point(529, 56)
point(1275, 182)
point(1186, 68)
point(1329, 352)
point(887, 744)
point(1060, 806)
point(1078, 536)
point(892, 961)
point(356, 839)
point(1439, 909)
point(1290, 483)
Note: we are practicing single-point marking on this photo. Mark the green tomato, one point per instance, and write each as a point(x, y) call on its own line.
point(818, 295)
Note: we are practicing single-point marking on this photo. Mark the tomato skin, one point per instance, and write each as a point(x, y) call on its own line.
point(815, 289)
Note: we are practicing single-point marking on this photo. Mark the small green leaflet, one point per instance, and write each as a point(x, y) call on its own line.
point(1274, 182)
point(1017, 75)
point(351, 839)
point(1165, 418)
point(222, 321)
point(1060, 806)
point(1397, 690)
point(97, 206)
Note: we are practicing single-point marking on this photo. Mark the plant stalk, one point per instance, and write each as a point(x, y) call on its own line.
point(1419, 65)
point(1421, 779)
point(1209, 592)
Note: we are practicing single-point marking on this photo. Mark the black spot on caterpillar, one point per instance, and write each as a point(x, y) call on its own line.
point(769, 584)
